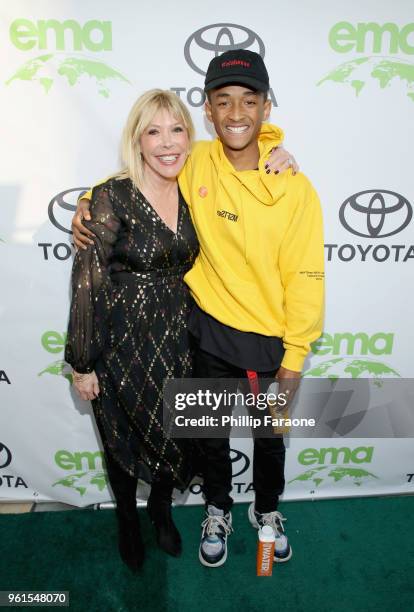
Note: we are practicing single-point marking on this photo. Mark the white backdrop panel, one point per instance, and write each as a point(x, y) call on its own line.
point(69, 76)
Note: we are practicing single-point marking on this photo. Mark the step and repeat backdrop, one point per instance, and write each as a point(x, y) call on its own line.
point(342, 78)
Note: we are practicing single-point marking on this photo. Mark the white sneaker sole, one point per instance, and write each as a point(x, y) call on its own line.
point(255, 524)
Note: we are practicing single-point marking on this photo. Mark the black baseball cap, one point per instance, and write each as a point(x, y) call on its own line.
point(237, 66)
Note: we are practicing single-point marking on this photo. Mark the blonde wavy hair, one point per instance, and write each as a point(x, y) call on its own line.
point(139, 119)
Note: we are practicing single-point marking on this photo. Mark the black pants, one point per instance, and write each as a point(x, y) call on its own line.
point(268, 457)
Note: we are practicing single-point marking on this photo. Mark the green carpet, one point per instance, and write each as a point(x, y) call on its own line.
point(348, 555)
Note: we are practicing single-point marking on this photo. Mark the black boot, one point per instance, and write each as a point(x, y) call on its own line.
point(124, 486)
point(159, 510)
point(130, 544)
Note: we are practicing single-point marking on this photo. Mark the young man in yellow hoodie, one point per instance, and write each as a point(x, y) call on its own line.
point(257, 283)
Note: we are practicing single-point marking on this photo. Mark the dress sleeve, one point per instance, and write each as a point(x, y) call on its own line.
point(91, 286)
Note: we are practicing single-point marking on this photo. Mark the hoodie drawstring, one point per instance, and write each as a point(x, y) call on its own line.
point(243, 220)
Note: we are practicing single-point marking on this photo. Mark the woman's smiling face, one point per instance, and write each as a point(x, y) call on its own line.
point(165, 145)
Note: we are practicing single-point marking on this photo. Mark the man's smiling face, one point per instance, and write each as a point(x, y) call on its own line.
point(237, 113)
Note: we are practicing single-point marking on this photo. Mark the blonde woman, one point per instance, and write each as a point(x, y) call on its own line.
point(128, 320)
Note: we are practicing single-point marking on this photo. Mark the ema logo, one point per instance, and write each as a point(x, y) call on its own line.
point(326, 469)
point(46, 69)
point(88, 470)
point(54, 342)
point(209, 42)
point(60, 210)
point(376, 40)
point(350, 344)
point(361, 396)
point(359, 344)
point(373, 213)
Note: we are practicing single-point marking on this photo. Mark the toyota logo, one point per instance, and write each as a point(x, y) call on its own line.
point(61, 204)
point(375, 213)
point(5, 456)
point(212, 40)
point(239, 462)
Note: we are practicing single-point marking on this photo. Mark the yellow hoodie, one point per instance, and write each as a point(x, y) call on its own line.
point(260, 267)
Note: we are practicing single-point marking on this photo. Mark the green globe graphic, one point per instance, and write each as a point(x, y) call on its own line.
point(356, 73)
point(354, 396)
point(334, 474)
point(59, 368)
point(46, 70)
point(342, 367)
point(82, 481)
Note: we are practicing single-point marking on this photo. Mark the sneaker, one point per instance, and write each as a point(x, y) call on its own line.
point(213, 546)
point(283, 551)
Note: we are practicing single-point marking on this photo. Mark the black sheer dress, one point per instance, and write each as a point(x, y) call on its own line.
point(128, 322)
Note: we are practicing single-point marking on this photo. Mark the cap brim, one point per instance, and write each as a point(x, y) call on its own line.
point(242, 80)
